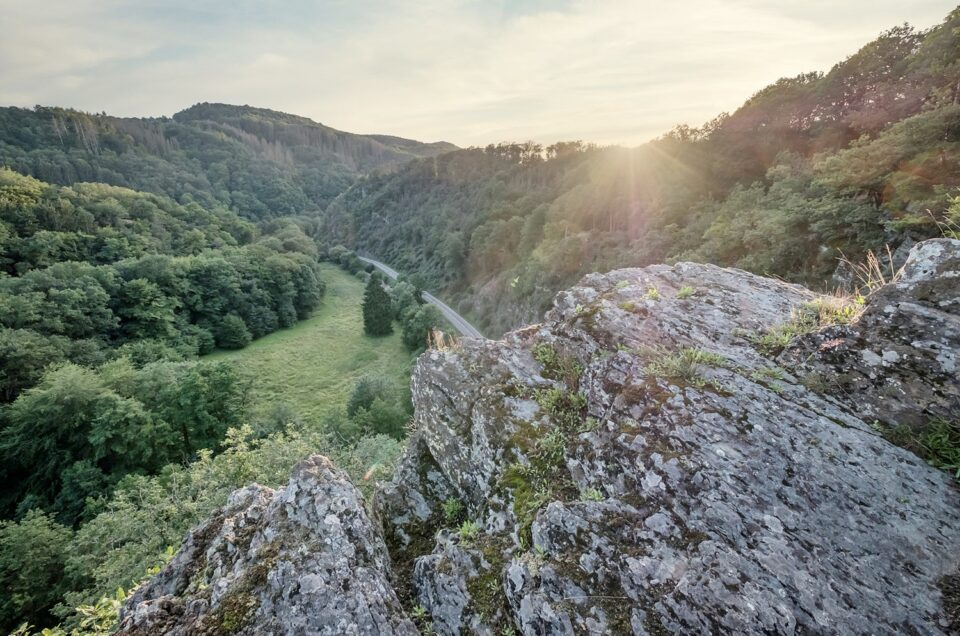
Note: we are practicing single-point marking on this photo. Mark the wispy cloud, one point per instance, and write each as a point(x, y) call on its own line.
point(471, 72)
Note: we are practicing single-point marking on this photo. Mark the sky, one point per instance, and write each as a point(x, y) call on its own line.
point(467, 72)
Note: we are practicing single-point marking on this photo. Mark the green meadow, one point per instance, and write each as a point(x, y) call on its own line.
point(312, 366)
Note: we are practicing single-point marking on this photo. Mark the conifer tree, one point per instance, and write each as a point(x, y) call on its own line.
point(377, 312)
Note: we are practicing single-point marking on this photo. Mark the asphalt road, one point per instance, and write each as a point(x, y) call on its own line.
point(459, 322)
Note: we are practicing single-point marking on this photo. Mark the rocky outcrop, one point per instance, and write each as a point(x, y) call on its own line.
point(900, 362)
point(637, 464)
point(301, 560)
point(641, 462)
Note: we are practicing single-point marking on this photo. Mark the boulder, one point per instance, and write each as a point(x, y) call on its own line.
point(302, 560)
point(642, 462)
point(638, 464)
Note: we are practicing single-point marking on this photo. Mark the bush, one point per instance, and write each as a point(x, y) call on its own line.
point(372, 457)
point(417, 326)
point(365, 391)
point(374, 408)
point(143, 352)
point(199, 339)
point(404, 298)
point(233, 333)
point(344, 429)
point(382, 418)
point(32, 557)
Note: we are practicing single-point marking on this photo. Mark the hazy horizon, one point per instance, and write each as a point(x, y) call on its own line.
point(470, 73)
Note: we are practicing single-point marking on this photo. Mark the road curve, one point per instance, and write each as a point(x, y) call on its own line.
point(458, 321)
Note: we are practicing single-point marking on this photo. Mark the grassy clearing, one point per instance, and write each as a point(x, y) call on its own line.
point(313, 366)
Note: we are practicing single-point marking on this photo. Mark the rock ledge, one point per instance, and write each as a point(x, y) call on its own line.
point(641, 462)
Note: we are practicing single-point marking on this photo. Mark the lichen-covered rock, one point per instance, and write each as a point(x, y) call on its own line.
point(302, 560)
point(636, 464)
point(639, 463)
point(900, 362)
point(459, 583)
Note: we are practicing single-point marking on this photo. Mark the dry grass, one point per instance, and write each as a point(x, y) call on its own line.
point(834, 309)
point(949, 226)
point(837, 308)
point(441, 341)
point(827, 310)
point(873, 273)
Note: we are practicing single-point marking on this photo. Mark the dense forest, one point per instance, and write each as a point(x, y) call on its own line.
point(107, 298)
point(808, 170)
point(129, 248)
point(258, 162)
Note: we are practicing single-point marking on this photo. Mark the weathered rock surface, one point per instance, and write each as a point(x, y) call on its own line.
point(901, 361)
point(636, 465)
point(302, 560)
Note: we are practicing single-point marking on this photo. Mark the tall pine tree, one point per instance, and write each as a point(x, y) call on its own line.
point(377, 312)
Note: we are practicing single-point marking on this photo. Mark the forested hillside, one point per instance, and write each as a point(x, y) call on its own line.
point(809, 169)
point(134, 249)
point(107, 298)
point(258, 162)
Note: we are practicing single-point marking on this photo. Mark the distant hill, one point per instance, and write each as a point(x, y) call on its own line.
point(259, 162)
point(809, 169)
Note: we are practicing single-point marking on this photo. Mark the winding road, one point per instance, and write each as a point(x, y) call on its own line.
point(459, 322)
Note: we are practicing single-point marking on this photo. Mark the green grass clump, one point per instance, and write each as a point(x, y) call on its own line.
point(552, 446)
point(487, 598)
point(313, 366)
point(941, 444)
point(938, 444)
point(452, 510)
point(684, 364)
point(532, 488)
point(541, 477)
point(770, 377)
point(468, 531)
point(809, 317)
point(557, 366)
point(544, 478)
point(236, 611)
point(775, 340)
point(835, 310)
point(685, 292)
point(565, 407)
point(588, 425)
point(771, 373)
point(421, 618)
point(591, 494)
point(652, 294)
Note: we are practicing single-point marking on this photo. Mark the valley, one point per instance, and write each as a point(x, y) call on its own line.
point(311, 368)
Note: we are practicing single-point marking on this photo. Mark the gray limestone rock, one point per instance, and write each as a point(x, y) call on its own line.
point(637, 465)
point(302, 560)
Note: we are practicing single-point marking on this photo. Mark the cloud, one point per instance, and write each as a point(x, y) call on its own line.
point(471, 72)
